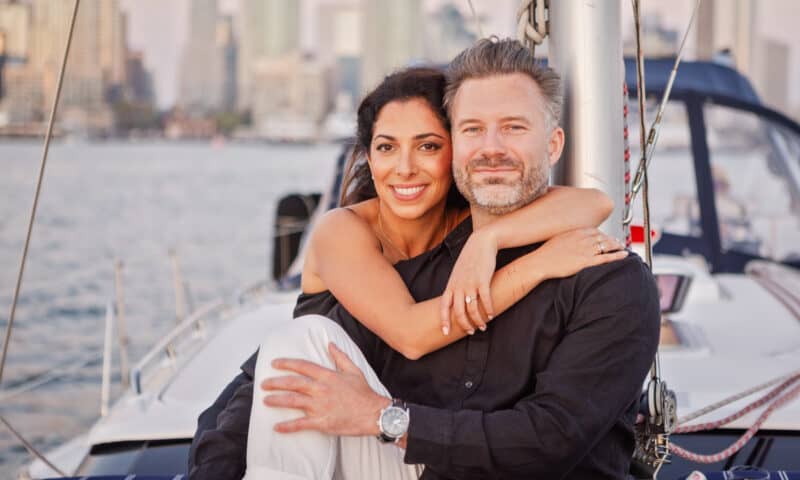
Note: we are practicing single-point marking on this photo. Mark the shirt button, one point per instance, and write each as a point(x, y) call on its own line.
point(468, 384)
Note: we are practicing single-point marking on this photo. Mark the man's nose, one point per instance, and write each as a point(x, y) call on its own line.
point(493, 144)
point(406, 165)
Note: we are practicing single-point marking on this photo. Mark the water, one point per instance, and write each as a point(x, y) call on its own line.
point(132, 202)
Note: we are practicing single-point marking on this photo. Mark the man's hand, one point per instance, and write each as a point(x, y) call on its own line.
point(336, 402)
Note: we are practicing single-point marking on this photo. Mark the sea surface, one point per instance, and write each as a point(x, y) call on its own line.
point(133, 202)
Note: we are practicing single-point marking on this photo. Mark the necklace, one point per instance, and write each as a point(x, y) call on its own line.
point(403, 254)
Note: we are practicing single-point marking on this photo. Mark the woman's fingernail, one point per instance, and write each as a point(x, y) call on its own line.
point(483, 328)
point(445, 330)
point(491, 317)
point(471, 332)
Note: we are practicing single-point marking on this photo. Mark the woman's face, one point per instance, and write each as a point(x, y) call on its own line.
point(410, 158)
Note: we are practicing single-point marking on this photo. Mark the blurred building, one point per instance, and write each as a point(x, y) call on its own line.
point(138, 82)
point(340, 45)
point(292, 99)
point(15, 24)
point(226, 43)
point(772, 67)
point(657, 39)
point(23, 100)
point(201, 66)
point(447, 34)
point(393, 37)
point(96, 65)
point(270, 29)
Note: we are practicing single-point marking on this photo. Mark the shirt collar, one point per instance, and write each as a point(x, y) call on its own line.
point(455, 241)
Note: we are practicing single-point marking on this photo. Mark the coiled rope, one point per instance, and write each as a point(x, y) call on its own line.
point(532, 24)
point(773, 396)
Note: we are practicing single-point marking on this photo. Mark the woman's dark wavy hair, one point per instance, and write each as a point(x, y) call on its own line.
point(425, 83)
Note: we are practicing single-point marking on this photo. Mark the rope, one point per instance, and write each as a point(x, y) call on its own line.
point(531, 23)
point(742, 441)
point(49, 134)
point(715, 406)
point(700, 427)
point(626, 229)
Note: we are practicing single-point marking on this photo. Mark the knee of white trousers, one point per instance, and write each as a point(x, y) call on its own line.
point(305, 337)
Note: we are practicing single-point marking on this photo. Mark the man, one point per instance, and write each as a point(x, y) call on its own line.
point(550, 389)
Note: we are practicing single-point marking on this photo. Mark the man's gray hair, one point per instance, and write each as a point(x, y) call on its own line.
point(492, 56)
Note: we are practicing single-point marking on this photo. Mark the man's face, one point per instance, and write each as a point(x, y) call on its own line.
point(502, 151)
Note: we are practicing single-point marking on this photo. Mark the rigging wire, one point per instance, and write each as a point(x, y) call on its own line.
point(10, 326)
point(31, 449)
point(476, 18)
point(655, 128)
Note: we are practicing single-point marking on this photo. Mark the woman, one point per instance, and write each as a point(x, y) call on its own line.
point(399, 202)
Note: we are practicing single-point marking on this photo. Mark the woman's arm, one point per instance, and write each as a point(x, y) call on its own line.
point(559, 210)
point(348, 260)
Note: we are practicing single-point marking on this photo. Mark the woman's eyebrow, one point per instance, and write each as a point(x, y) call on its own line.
point(416, 137)
point(425, 135)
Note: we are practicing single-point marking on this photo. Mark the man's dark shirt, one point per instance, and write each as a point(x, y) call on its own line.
point(548, 391)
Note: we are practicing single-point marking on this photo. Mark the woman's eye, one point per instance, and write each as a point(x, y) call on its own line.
point(429, 147)
point(384, 147)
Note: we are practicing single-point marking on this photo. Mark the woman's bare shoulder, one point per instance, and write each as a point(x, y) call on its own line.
point(353, 222)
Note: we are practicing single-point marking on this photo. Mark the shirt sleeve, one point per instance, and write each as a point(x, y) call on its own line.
point(591, 379)
point(219, 447)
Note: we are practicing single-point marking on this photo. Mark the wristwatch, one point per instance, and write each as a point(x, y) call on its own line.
point(393, 422)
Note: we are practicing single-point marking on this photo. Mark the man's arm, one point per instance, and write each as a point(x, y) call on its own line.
point(592, 377)
point(219, 447)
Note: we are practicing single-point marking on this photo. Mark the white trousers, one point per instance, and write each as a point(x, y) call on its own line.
point(313, 455)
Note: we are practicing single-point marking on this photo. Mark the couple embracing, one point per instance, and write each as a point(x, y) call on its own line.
point(459, 318)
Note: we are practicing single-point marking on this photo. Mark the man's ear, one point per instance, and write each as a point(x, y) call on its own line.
point(555, 145)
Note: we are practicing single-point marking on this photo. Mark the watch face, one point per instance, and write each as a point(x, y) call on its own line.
point(394, 422)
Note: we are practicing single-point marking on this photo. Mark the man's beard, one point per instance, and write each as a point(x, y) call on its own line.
point(497, 195)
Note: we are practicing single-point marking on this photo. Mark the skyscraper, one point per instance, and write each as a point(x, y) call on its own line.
point(200, 73)
point(340, 44)
point(227, 45)
point(15, 20)
point(393, 38)
point(270, 30)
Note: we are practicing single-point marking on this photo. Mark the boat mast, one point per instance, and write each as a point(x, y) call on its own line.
point(585, 47)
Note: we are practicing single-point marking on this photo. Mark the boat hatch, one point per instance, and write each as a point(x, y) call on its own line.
point(158, 457)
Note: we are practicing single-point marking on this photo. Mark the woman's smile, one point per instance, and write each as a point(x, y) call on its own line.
point(408, 192)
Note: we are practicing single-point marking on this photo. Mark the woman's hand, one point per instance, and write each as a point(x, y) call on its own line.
point(568, 253)
point(468, 287)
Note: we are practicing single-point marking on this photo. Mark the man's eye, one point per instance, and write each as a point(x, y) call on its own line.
point(471, 130)
point(515, 128)
point(384, 147)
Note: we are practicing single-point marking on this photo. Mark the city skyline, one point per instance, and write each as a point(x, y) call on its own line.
point(346, 42)
point(162, 36)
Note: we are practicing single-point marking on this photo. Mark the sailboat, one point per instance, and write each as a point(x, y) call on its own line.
point(724, 224)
